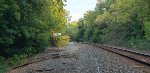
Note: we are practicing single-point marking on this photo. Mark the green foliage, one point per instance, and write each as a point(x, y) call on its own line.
point(72, 30)
point(80, 32)
point(26, 25)
point(61, 41)
point(3, 65)
point(147, 30)
point(117, 22)
point(26, 28)
point(16, 59)
point(86, 26)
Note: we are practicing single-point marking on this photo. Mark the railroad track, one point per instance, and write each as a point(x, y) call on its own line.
point(55, 55)
point(138, 57)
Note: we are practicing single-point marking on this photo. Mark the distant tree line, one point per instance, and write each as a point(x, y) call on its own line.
point(117, 22)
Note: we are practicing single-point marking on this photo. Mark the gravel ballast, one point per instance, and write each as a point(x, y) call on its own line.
point(81, 58)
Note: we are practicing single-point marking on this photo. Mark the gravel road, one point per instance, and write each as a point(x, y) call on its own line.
point(80, 58)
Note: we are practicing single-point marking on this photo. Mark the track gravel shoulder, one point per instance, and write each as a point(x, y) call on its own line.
point(80, 58)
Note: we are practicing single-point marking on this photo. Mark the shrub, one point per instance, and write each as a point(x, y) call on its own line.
point(17, 59)
point(61, 41)
point(3, 65)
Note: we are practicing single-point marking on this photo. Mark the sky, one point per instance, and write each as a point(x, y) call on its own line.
point(77, 8)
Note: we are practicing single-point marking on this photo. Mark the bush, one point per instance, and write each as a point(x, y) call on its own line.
point(26, 26)
point(3, 65)
point(61, 41)
point(139, 43)
point(147, 30)
point(16, 59)
point(6, 63)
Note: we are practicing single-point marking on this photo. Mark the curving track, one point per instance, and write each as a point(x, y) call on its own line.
point(138, 57)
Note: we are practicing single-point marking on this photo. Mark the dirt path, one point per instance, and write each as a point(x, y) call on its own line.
point(79, 58)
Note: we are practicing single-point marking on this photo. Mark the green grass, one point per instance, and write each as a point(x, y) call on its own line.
point(13, 61)
point(3, 65)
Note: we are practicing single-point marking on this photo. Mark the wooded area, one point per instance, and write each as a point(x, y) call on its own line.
point(117, 22)
point(26, 27)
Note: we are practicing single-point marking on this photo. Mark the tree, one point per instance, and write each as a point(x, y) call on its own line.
point(26, 25)
point(80, 32)
point(118, 22)
point(72, 30)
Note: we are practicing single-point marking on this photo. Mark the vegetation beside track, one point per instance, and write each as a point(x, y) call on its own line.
point(26, 28)
point(61, 41)
point(124, 23)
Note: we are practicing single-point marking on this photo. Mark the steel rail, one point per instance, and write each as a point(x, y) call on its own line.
point(137, 56)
